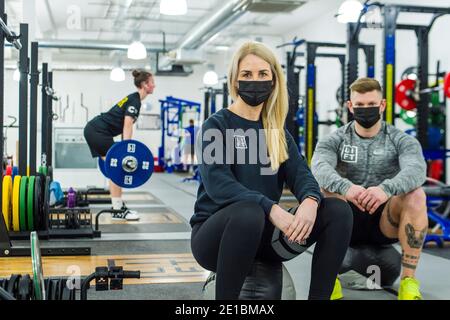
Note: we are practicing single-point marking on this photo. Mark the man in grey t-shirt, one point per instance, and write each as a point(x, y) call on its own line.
point(379, 171)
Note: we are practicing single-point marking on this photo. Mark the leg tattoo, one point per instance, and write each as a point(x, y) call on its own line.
point(414, 241)
point(409, 261)
point(390, 218)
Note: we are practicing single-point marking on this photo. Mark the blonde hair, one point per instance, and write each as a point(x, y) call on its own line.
point(275, 109)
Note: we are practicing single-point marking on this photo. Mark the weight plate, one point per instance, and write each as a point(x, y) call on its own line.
point(30, 203)
point(13, 285)
point(15, 172)
point(36, 263)
point(54, 289)
point(447, 85)
point(24, 288)
point(43, 170)
point(15, 203)
point(23, 204)
point(6, 201)
point(65, 291)
point(46, 203)
point(8, 170)
point(101, 166)
point(50, 173)
point(403, 92)
point(139, 159)
point(5, 284)
point(37, 202)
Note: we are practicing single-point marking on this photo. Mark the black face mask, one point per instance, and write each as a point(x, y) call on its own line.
point(366, 117)
point(255, 92)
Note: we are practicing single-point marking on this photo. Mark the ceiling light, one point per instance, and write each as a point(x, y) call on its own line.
point(210, 78)
point(117, 74)
point(349, 11)
point(222, 48)
point(137, 51)
point(173, 7)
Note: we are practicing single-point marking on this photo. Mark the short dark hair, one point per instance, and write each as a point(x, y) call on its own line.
point(364, 85)
point(140, 76)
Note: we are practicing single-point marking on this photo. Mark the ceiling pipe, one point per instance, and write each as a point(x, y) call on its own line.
point(213, 24)
point(94, 45)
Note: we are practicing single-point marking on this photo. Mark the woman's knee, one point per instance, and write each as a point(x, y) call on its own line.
point(248, 215)
point(338, 212)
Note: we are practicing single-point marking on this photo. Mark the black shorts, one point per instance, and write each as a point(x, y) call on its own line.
point(98, 139)
point(366, 227)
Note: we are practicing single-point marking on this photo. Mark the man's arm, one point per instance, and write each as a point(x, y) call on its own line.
point(323, 165)
point(412, 168)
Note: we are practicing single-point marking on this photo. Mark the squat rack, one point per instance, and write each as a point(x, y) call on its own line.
point(310, 108)
point(390, 15)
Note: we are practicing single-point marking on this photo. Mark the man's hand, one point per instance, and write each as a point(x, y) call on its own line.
point(353, 193)
point(372, 198)
point(304, 220)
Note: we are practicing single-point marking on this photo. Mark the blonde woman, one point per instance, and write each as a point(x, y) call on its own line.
point(245, 157)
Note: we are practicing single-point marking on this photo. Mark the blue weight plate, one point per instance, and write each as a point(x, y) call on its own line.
point(114, 160)
point(101, 166)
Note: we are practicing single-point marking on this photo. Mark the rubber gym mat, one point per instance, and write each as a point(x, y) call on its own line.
point(151, 220)
point(15, 203)
point(6, 200)
point(439, 252)
point(30, 203)
point(23, 204)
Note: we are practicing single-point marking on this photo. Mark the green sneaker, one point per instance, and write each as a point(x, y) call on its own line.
point(409, 289)
point(337, 291)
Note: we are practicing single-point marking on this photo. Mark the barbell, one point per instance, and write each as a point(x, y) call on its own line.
point(407, 93)
point(128, 163)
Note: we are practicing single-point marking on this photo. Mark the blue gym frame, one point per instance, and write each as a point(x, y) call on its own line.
point(172, 110)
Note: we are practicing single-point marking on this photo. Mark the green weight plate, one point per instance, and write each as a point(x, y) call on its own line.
point(37, 202)
point(36, 262)
point(30, 203)
point(43, 170)
point(23, 204)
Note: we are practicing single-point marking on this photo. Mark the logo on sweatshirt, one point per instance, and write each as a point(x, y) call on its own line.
point(349, 154)
point(239, 142)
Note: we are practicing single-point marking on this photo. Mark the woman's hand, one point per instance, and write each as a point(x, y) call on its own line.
point(280, 218)
point(303, 222)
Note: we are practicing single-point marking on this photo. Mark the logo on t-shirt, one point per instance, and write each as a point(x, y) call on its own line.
point(239, 142)
point(132, 110)
point(349, 154)
point(122, 102)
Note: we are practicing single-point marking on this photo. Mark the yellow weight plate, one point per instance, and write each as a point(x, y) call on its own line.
point(6, 200)
point(16, 203)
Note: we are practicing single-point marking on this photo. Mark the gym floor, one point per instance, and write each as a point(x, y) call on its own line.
point(159, 246)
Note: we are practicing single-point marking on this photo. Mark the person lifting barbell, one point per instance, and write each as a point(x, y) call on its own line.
point(101, 130)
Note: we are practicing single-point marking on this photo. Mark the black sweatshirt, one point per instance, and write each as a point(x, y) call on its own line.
point(226, 182)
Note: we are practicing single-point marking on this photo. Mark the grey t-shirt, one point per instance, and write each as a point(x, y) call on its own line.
point(391, 160)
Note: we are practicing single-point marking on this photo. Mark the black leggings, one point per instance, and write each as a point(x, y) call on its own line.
point(229, 241)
